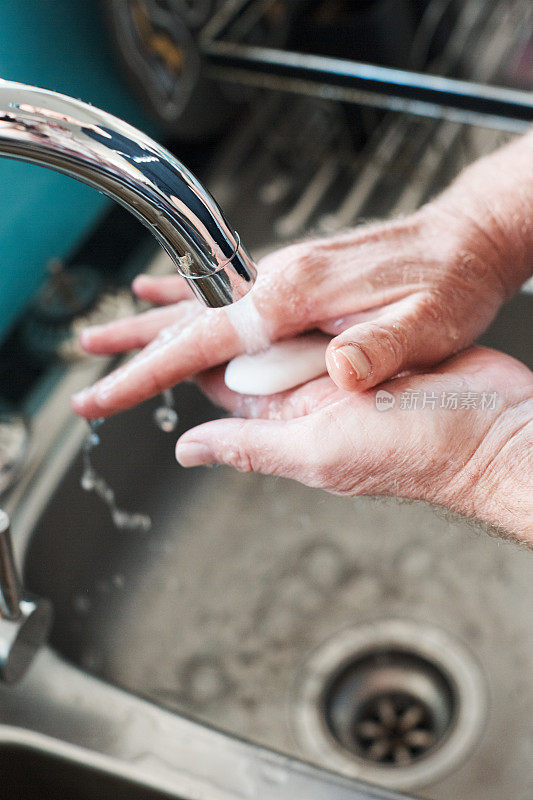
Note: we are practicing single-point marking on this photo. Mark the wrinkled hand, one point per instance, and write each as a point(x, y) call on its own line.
point(473, 460)
point(396, 295)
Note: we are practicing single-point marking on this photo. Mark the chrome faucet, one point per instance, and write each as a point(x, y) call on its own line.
point(94, 147)
point(24, 619)
point(74, 138)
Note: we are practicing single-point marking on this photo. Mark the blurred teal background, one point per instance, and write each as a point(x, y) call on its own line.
point(59, 45)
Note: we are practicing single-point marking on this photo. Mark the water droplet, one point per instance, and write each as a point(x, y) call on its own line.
point(124, 521)
point(108, 495)
point(88, 480)
point(166, 419)
point(142, 522)
point(121, 519)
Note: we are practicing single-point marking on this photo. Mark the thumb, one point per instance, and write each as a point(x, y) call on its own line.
point(371, 352)
point(271, 447)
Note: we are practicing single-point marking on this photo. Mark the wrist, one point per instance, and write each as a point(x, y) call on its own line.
point(491, 205)
point(475, 246)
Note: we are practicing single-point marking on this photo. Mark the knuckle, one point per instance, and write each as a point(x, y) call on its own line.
point(431, 314)
point(436, 315)
point(428, 306)
point(289, 258)
point(392, 340)
point(241, 460)
point(239, 453)
point(301, 267)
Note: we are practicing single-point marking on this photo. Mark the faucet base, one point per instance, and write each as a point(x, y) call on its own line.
point(21, 639)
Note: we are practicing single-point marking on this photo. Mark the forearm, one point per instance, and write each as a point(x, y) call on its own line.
point(491, 203)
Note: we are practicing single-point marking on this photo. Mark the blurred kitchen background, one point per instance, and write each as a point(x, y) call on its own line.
point(261, 614)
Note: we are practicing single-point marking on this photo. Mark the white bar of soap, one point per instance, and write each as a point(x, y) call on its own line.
point(283, 366)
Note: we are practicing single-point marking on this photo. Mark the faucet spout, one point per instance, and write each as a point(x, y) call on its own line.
point(105, 152)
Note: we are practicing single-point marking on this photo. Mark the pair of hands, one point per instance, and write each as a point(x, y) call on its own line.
point(398, 298)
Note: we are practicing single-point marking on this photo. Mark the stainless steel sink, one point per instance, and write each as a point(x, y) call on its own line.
point(30, 773)
point(383, 641)
point(253, 599)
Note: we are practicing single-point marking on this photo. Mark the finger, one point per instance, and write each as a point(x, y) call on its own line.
point(162, 290)
point(212, 385)
point(271, 447)
point(341, 324)
point(370, 352)
point(336, 326)
point(177, 353)
point(484, 368)
point(284, 405)
point(180, 351)
point(131, 333)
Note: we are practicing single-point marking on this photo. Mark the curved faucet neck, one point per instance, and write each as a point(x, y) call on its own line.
point(105, 152)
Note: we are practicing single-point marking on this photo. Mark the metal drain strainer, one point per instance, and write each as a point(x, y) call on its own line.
point(395, 702)
point(389, 707)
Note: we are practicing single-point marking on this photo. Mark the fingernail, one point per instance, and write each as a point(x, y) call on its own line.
point(192, 454)
point(80, 397)
point(86, 335)
point(107, 386)
point(358, 363)
point(139, 281)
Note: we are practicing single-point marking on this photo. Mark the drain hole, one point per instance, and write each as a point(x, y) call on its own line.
point(394, 728)
point(393, 701)
point(389, 707)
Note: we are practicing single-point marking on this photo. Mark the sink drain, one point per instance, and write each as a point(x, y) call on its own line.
point(396, 702)
point(389, 707)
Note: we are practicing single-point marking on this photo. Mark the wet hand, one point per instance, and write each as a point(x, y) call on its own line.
point(473, 457)
point(396, 295)
point(393, 296)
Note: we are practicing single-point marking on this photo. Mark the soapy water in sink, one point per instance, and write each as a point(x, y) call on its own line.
point(166, 418)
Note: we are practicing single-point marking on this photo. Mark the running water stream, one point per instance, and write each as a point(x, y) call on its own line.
point(166, 418)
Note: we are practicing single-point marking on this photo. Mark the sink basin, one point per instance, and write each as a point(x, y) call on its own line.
point(269, 610)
